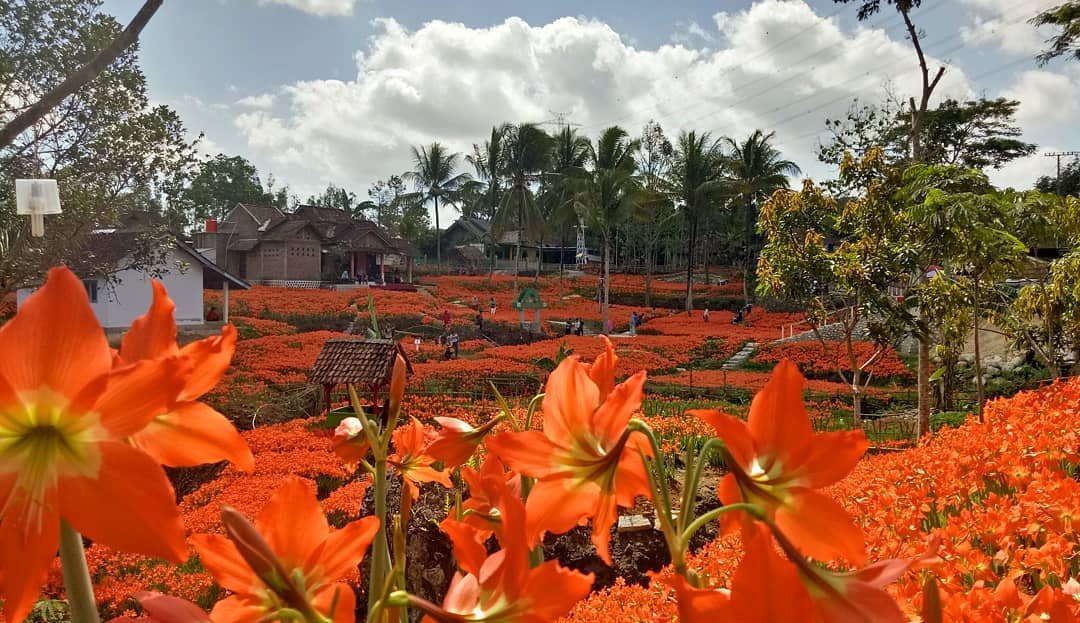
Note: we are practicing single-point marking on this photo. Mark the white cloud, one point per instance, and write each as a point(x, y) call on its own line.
point(317, 7)
point(692, 33)
point(451, 83)
point(1045, 97)
point(1004, 23)
point(263, 101)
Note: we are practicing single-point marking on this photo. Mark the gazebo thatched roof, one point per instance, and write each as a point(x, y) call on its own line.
point(359, 361)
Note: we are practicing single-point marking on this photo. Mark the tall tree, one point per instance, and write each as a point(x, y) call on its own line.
point(435, 178)
point(918, 108)
point(220, 184)
point(754, 169)
point(488, 160)
point(654, 162)
point(1066, 16)
point(35, 108)
point(695, 184)
point(385, 204)
point(101, 143)
point(609, 194)
point(569, 155)
point(527, 152)
point(339, 199)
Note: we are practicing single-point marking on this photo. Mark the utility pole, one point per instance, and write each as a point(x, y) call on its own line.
point(1058, 155)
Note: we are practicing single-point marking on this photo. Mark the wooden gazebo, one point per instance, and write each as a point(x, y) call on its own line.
point(363, 362)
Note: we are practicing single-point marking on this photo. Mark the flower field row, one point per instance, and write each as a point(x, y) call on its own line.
point(1002, 496)
point(820, 361)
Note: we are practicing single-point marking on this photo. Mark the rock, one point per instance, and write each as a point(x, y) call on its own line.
point(967, 357)
point(991, 370)
point(633, 523)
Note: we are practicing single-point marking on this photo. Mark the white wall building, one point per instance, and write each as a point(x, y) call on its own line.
point(128, 293)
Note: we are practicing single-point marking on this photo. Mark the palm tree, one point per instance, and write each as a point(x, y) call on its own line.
point(694, 183)
point(434, 179)
point(609, 193)
point(488, 162)
point(755, 170)
point(527, 150)
point(569, 154)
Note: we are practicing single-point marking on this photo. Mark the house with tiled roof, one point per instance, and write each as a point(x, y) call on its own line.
point(312, 243)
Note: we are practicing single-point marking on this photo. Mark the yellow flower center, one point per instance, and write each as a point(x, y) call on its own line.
point(41, 440)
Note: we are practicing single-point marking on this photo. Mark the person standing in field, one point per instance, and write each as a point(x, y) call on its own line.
point(454, 343)
point(705, 314)
point(492, 307)
point(446, 320)
point(416, 341)
point(633, 323)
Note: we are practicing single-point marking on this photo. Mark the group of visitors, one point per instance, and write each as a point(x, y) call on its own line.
point(635, 322)
point(452, 345)
point(575, 327)
point(741, 314)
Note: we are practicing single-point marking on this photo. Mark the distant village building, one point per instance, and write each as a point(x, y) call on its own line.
point(313, 243)
point(123, 295)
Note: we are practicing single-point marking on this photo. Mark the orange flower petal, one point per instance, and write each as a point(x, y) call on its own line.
point(610, 421)
point(341, 598)
point(560, 589)
point(25, 557)
point(138, 393)
point(166, 609)
point(570, 398)
point(829, 457)
point(211, 358)
point(152, 335)
point(529, 452)
point(602, 370)
point(292, 522)
point(778, 421)
point(820, 527)
point(236, 609)
point(765, 587)
point(554, 507)
point(697, 605)
point(224, 562)
point(732, 431)
point(344, 549)
point(462, 597)
point(130, 505)
point(860, 603)
point(192, 434)
point(469, 550)
point(55, 339)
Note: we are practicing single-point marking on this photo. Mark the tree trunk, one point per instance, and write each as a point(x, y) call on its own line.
point(438, 239)
point(856, 399)
point(692, 226)
point(924, 384)
point(650, 248)
point(28, 117)
point(562, 250)
point(607, 281)
point(747, 266)
point(980, 392)
point(539, 259)
point(517, 263)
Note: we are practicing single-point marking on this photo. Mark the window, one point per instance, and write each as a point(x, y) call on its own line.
point(91, 289)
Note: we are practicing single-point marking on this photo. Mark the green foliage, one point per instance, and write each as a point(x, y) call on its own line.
point(50, 611)
point(219, 184)
point(106, 145)
point(948, 419)
point(1066, 16)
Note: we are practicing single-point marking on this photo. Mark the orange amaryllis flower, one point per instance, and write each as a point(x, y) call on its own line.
point(351, 443)
point(64, 415)
point(766, 588)
point(189, 432)
point(502, 588)
point(289, 560)
point(586, 461)
point(778, 462)
point(412, 462)
point(488, 488)
point(456, 440)
point(165, 609)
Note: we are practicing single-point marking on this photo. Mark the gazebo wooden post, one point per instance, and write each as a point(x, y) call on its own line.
point(326, 393)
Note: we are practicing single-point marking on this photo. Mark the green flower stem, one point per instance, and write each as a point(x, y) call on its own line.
point(80, 590)
point(715, 513)
point(380, 553)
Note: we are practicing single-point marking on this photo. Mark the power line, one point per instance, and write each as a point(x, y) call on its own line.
point(1058, 155)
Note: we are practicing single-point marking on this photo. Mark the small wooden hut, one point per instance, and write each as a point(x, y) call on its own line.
point(362, 362)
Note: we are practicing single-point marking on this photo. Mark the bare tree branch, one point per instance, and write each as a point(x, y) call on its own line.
point(80, 78)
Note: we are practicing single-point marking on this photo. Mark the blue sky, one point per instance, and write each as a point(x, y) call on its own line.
point(318, 91)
